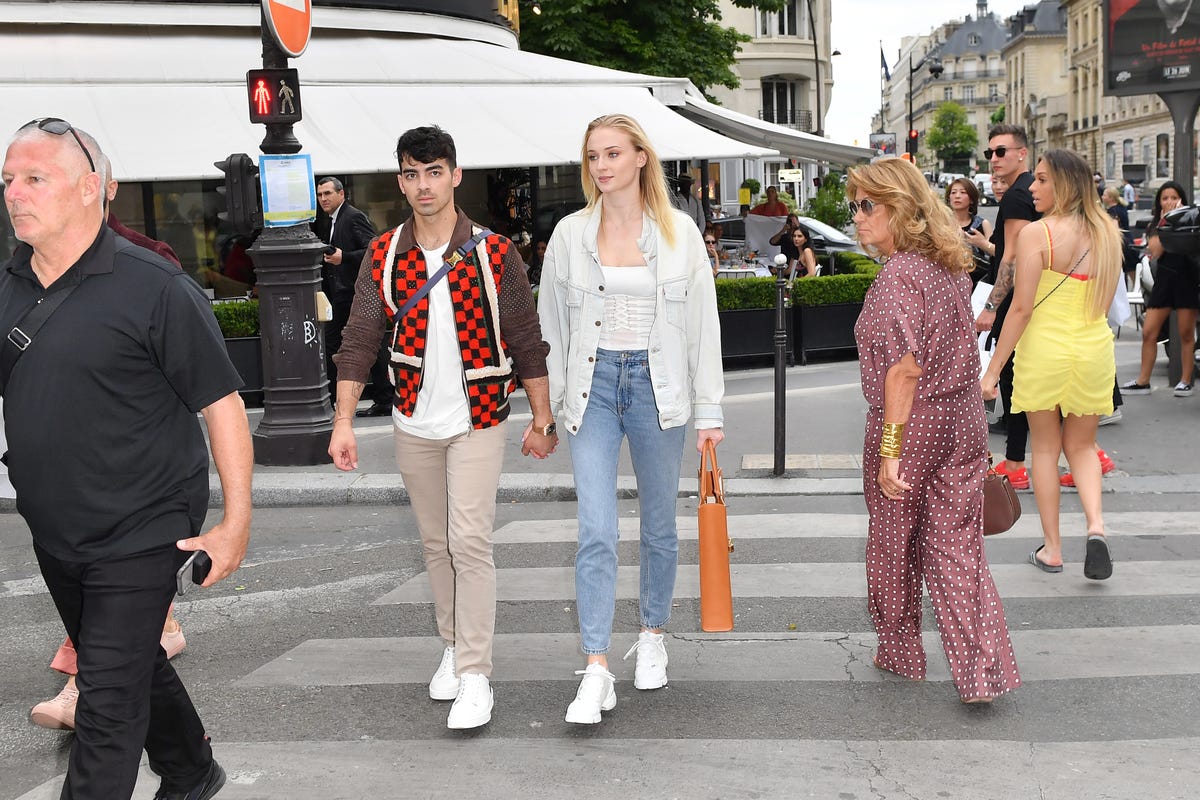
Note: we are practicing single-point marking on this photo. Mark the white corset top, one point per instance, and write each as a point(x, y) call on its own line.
point(629, 295)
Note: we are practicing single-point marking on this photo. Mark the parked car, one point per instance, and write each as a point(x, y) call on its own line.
point(947, 178)
point(986, 195)
point(826, 239)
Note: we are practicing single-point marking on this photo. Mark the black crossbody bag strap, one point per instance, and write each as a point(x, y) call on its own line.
point(450, 263)
point(21, 335)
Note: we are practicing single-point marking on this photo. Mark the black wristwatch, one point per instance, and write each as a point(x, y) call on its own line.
point(548, 430)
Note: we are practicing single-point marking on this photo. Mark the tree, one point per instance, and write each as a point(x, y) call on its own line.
point(950, 136)
point(671, 38)
point(829, 203)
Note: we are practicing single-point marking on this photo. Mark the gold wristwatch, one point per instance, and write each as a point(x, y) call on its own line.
point(547, 430)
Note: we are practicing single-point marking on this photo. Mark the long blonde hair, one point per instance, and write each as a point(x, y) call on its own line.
point(652, 182)
point(919, 220)
point(1075, 196)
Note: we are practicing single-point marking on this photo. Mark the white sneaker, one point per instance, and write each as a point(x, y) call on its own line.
point(651, 670)
point(473, 706)
point(444, 684)
point(1111, 418)
point(596, 694)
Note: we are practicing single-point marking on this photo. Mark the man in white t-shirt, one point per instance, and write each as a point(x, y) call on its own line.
point(456, 353)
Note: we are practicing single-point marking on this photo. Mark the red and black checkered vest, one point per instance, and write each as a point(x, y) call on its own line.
point(486, 366)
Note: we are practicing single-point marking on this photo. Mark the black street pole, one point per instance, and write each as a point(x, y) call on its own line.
point(780, 377)
point(812, 24)
point(297, 416)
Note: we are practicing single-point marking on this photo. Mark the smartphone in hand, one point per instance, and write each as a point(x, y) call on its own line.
point(193, 572)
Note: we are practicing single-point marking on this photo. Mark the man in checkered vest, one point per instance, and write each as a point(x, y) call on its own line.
point(465, 327)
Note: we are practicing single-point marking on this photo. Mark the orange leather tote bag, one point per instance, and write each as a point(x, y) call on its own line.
point(716, 594)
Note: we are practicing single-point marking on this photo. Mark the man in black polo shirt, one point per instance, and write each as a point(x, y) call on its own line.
point(1007, 151)
point(109, 462)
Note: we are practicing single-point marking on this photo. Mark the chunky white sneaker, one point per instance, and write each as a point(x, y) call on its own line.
point(651, 670)
point(444, 684)
point(473, 706)
point(596, 694)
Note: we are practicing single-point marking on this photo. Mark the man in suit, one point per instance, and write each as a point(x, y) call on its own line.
point(347, 231)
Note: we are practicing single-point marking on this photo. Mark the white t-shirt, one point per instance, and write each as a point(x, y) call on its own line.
point(442, 409)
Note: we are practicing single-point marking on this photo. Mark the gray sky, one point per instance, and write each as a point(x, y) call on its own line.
point(858, 27)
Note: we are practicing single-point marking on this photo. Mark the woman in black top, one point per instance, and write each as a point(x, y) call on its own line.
point(1176, 286)
point(962, 196)
point(783, 239)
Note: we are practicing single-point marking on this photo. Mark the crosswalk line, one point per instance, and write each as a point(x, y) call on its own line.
point(1043, 655)
point(837, 526)
point(699, 769)
point(1130, 579)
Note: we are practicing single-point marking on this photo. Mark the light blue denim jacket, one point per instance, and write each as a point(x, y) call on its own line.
point(685, 337)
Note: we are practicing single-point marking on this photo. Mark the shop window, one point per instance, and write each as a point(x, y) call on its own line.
point(1162, 160)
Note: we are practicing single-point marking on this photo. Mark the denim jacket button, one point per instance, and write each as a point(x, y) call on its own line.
point(597, 323)
point(602, 288)
point(585, 394)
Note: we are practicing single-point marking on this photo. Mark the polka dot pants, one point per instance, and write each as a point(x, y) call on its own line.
point(935, 533)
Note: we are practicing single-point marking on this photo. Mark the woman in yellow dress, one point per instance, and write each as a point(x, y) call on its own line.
point(1067, 270)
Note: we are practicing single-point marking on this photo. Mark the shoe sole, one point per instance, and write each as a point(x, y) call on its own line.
point(214, 782)
point(1125, 391)
point(49, 722)
point(449, 694)
point(608, 705)
point(474, 722)
point(644, 688)
point(1097, 564)
point(1183, 394)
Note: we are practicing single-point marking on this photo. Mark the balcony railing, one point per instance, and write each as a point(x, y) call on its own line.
point(801, 120)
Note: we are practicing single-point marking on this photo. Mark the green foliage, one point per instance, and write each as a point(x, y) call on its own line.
point(829, 203)
point(753, 185)
point(951, 137)
point(829, 289)
point(737, 293)
point(672, 38)
point(997, 116)
point(237, 319)
point(850, 263)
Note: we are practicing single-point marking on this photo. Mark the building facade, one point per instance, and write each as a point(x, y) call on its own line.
point(786, 74)
point(1036, 69)
point(970, 53)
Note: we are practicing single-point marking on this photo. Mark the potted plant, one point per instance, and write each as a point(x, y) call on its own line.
point(827, 307)
point(238, 320)
point(746, 308)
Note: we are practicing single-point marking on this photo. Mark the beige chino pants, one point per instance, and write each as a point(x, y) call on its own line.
point(452, 486)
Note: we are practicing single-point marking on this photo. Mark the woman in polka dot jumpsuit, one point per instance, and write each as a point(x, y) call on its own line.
point(923, 470)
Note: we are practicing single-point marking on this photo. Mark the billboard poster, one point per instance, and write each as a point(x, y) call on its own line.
point(884, 142)
point(1151, 46)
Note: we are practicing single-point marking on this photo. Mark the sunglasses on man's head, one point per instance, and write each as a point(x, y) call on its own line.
point(867, 205)
point(58, 127)
point(999, 152)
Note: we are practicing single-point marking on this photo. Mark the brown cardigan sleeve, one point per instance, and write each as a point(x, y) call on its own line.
point(519, 320)
point(365, 328)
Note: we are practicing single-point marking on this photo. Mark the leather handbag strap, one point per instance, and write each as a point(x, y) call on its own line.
point(449, 264)
point(710, 475)
point(21, 335)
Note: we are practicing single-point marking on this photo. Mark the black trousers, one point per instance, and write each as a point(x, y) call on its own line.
point(130, 698)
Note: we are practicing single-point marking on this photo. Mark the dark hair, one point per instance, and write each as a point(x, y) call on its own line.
point(1007, 129)
point(426, 145)
point(807, 236)
point(1156, 214)
point(337, 185)
point(972, 192)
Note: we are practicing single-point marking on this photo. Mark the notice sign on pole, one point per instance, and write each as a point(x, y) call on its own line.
point(290, 22)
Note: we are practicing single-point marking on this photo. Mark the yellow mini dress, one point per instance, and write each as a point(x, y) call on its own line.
point(1065, 357)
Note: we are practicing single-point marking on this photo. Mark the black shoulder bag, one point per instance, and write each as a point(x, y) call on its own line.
point(21, 335)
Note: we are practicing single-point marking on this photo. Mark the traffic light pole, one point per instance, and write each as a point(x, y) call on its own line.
point(297, 416)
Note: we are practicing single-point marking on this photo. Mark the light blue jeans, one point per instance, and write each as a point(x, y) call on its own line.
point(621, 405)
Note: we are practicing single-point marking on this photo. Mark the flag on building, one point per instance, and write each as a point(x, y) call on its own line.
point(887, 73)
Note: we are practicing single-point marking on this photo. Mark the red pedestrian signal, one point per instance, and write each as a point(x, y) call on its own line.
point(274, 95)
point(910, 146)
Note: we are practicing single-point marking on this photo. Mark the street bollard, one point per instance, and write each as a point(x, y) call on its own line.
point(780, 367)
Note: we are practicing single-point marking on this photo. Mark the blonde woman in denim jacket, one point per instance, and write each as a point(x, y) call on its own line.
point(628, 306)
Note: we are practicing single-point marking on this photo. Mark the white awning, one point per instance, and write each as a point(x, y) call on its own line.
point(789, 142)
point(166, 102)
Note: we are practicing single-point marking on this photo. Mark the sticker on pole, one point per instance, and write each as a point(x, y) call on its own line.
point(290, 22)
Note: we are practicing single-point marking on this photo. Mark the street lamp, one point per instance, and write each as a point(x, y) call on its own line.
point(935, 69)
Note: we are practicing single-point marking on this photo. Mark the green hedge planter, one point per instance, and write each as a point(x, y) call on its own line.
point(239, 325)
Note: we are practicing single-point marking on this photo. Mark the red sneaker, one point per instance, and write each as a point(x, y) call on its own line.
point(1107, 465)
point(1018, 478)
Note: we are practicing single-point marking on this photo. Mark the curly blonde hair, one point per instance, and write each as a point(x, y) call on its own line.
point(919, 221)
point(652, 181)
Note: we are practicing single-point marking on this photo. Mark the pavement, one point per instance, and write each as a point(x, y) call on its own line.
point(309, 665)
